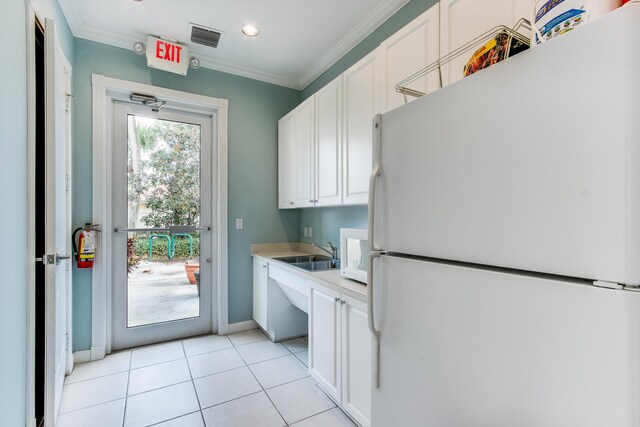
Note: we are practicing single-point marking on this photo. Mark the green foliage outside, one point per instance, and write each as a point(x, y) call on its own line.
point(141, 248)
point(165, 177)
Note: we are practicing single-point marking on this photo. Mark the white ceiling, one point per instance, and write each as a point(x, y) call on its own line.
point(298, 41)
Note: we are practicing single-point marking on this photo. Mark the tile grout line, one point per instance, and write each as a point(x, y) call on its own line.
point(234, 399)
point(129, 370)
point(263, 389)
point(90, 406)
point(193, 382)
point(315, 415)
point(126, 394)
point(175, 418)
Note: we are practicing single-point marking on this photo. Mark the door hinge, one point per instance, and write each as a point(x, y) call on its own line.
point(67, 182)
point(66, 341)
point(67, 102)
point(608, 285)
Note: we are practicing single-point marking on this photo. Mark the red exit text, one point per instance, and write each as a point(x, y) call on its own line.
point(168, 51)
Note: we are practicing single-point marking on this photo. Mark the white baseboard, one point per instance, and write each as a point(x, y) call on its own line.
point(242, 326)
point(81, 356)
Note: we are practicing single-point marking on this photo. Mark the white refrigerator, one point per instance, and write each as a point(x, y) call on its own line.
point(505, 242)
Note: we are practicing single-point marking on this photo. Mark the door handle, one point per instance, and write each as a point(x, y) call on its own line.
point(50, 259)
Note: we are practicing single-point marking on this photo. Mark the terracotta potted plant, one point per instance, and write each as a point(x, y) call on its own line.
point(190, 267)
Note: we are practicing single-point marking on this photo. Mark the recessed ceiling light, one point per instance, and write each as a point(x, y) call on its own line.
point(250, 30)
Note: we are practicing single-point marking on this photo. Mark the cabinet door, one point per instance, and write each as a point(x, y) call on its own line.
point(361, 104)
point(328, 182)
point(304, 136)
point(260, 277)
point(408, 51)
point(463, 20)
point(324, 340)
point(285, 162)
point(356, 360)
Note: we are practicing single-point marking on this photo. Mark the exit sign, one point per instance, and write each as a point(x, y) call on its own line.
point(167, 55)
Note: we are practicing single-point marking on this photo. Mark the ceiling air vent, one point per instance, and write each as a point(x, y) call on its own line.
point(205, 36)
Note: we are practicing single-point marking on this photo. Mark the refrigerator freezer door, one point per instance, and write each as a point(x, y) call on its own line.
point(533, 164)
point(462, 347)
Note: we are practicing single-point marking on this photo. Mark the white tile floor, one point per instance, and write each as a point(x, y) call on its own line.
point(241, 380)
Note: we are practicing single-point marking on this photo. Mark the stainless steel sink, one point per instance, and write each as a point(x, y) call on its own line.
point(318, 265)
point(311, 262)
point(304, 258)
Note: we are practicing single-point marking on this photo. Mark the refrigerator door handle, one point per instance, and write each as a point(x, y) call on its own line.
point(373, 180)
point(371, 320)
point(373, 251)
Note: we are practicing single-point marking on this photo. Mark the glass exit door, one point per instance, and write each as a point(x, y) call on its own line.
point(162, 210)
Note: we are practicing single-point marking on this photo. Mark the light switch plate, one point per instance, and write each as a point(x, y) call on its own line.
point(306, 232)
point(310, 232)
point(239, 223)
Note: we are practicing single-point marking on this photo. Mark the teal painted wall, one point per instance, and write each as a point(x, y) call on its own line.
point(326, 222)
point(254, 110)
point(14, 259)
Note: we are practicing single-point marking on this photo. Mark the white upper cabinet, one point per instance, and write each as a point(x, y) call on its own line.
point(303, 143)
point(463, 20)
point(409, 50)
point(285, 162)
point(325, 144)
point(328, 182)
point(361, 104)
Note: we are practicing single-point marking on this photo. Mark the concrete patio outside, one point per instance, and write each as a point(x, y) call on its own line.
point(159, 291)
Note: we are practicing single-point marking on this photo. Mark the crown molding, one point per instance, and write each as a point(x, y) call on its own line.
point(360, 32)
point(242, 71)
point(372, 21)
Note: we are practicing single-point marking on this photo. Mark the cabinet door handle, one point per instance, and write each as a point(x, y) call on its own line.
point(291, 203)
point(336, 299)
point(342, 302)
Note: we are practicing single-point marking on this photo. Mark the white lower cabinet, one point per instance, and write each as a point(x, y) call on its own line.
point(340, 350)
point(260, 281)
point(356, 360)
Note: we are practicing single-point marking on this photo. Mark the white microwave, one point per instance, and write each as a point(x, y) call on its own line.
point(354, 251)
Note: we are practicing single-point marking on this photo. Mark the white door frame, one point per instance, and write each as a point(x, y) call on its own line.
point(34, 13)
point(105, 90)
point(57, 333)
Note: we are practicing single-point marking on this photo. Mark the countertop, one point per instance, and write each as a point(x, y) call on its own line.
point(330, 278)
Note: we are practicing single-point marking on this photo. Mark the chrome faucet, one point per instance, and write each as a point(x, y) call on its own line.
point(333, 252)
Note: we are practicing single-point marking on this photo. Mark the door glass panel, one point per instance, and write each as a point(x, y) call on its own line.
point(163, 190)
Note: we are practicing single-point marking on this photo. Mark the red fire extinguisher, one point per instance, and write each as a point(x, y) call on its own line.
point(86, 249)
